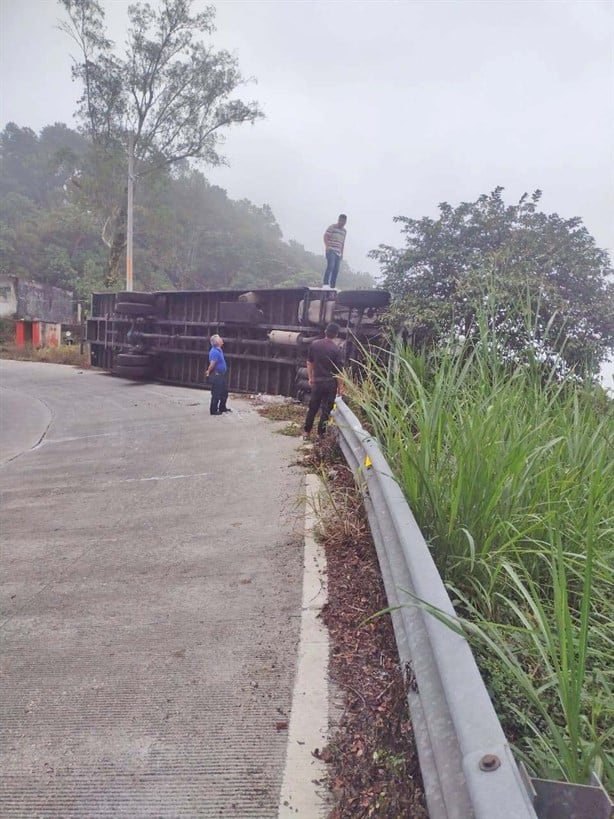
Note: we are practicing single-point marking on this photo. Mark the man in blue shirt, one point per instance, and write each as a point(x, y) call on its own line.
point(216, 373)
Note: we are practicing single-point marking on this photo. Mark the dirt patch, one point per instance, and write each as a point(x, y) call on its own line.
point(65, 354)
point(372, 762)
point(288, 410)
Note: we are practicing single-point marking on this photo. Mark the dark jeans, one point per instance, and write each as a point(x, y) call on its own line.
point(219, 393)
point(323, 396)
point(333, 260)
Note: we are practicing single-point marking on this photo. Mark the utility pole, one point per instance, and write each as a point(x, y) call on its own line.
point(129, 226)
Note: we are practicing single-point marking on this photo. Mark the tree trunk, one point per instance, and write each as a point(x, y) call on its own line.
point(117, 249)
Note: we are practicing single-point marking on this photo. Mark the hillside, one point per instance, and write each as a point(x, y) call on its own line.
point(188, 234)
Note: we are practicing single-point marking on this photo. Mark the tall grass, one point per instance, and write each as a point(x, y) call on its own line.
point(510, 474)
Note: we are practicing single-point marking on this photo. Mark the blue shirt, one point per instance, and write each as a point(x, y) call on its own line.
point(216, 354)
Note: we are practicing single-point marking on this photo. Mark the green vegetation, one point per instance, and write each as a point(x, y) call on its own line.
point(7, 330)
point(167, 98)
point(188, 234)
point(510, 261)
point(508, 469)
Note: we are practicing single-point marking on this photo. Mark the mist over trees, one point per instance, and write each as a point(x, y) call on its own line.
point(542, 281)
point(166, 99)
point(188, 233)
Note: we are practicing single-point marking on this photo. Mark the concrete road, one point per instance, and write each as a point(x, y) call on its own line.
point(151, 568)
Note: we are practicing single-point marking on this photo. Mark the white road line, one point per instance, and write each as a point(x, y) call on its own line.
point(161, 478)
point(301, 794)
point(48, 441)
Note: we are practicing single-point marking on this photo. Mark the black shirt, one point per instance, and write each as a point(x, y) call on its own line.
point(326, 357)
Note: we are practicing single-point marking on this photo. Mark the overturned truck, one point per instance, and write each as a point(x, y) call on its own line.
point(165, 336)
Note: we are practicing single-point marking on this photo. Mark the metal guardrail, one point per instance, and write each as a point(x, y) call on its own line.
point(467, 764)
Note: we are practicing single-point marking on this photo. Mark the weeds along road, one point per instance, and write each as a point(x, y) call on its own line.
point(152, 569)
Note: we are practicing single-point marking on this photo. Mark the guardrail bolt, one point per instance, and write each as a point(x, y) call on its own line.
point(490, 762)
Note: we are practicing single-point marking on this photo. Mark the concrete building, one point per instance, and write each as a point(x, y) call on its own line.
point(39, 310)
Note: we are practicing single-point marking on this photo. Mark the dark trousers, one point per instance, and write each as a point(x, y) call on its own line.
point(333, 261)
point(219, 393)
point(323, 396)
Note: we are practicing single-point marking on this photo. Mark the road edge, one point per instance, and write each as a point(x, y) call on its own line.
point(303, 790)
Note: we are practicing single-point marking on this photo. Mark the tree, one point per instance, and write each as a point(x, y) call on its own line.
point(513, 262)
point(45, 233)
point(39, 167)
point(189, 234)
point(170, 94)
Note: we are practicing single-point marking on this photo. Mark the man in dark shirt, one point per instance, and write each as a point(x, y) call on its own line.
point(324, 365)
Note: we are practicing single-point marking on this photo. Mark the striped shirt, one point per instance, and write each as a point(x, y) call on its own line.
point(334, 239)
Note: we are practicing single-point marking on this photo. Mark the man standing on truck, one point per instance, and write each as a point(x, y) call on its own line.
point(334, 239)
point(324, 368)
point(216, 373)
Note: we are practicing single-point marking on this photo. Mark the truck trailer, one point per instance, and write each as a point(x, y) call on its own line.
point(164, 336)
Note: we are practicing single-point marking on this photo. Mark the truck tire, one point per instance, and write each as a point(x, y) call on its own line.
point(363, 298)
point(303, 395)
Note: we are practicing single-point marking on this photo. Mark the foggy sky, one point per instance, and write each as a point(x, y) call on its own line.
point(381, 108)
